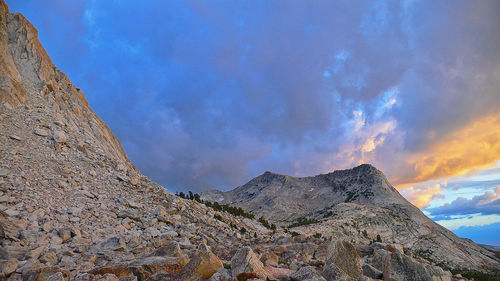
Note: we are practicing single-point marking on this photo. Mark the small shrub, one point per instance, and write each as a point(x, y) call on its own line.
point(283, 262)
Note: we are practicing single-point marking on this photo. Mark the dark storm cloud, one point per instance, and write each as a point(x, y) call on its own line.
point(210, 94)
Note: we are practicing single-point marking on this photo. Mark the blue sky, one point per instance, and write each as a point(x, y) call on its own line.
point(211, 94)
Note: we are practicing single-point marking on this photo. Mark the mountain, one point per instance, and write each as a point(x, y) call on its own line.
point(356, 204)
point(73, 206)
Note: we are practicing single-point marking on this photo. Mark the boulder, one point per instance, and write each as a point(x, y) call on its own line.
point(47, 273)
point(65, 233)
point(172, 249)
point(397, 266)
point(371, 272)
point(345, 258)
point(108, 277)
point(222, 275)
point(269, 258)
point(246, 265)
point(309, 273)
point(142, 268)
point(129, 213)
point(202, 265)
point(276, 273)
point(7, 267)
point(332, 272)
point(59, 136)
point(41, 132)
point(112, 244)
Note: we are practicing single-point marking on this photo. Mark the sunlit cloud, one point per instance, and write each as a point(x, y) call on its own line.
point(421, 196)
point(475, 146)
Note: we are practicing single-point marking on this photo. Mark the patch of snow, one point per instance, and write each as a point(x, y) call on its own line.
point(311, 189)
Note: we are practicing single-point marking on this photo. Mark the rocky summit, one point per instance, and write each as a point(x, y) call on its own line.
point(359, 205)
point(73, 206)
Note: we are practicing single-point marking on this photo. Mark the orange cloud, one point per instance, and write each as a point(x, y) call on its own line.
point(475, 146)
point(421, 196)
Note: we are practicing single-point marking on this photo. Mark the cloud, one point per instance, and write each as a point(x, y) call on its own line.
point(486, 204)
point(422, 196)
point(209, 96)
point(473, 147)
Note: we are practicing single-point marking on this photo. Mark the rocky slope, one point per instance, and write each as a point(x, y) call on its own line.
point(73, 207)
point(357, 204)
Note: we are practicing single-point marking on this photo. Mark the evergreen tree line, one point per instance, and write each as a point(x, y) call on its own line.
point(236, 211)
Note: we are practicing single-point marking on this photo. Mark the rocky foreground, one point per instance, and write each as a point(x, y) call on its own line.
point(73, 207)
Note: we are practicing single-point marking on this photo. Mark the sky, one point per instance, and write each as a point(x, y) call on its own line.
point(209, 94)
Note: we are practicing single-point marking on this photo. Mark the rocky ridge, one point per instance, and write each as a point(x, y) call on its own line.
point(73, 207)
point(357, 204)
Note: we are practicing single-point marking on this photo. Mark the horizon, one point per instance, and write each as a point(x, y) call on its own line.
point(222, 93)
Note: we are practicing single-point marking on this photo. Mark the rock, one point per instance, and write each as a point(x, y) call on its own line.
point(14, 137)
point(245, 265)
point(58, 276)
point(46, 273)
point(88, 194)
point(112, 244)
point(41, 132)
point(332, 272)
point(35, 253)
point(59, 136)
point(7, 267)
point(143, 268)
point(309, 273)
point(11, 212)
point(397, 266)
point(56, 240)
point(48, 226)
point(160, 211)
point(345, 257)
point(269, 258)
point(65, 234)
point(172, 249)
point(109, 277)
point(133, 204)
point(202, 265)
point(3, 173)
point(371, 271)
point(275, 273)
point(49, 258)
point(132, 214)
point(222, 275)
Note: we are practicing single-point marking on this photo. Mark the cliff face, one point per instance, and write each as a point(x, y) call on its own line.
point(357, 204)
point(28, 79)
